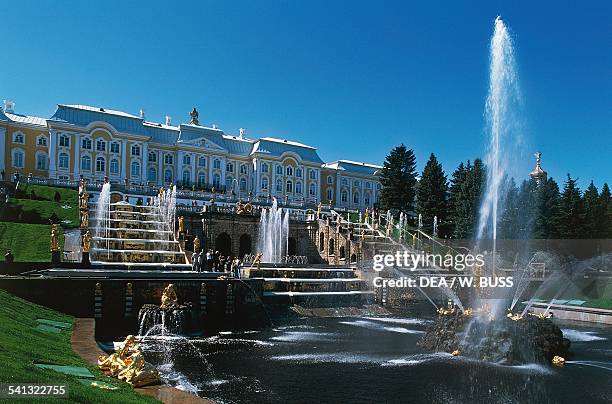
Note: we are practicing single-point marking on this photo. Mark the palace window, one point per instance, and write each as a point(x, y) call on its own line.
point(100, 165)
point(313, 174)
point(202, 162)
point(41, 140)
point(168, 159)
point(243, 185)
point(216, 181)
point(279, 185)
point(168, 176)
point(114, 147)
point(229, 167)
point(298, 187)
point(344, 181)
point(135, 169)
point(330, 179)
point(356, 184)
point(100, 145)
point(64, 161)
point(243, 169)
point(264, 183)
point(186, 178)
point(187, 159)
point(217, 164)
point(229, 183)
point(86, 143)
point(41, 161)
point(279, 169)
point(289, 186)
point(330, 194)
point(366, 199)
point(378, 186)
point(152, 157)
point(356, 198)
point(264, 167)
point(298, 172)
point(18, 138)
point(135, 150)
point(18, 158)
point(201, 180)
point(114, 167)
point(311, 190)
point(368, 185)
point(152, 174)
point(289, 170)
point(86, 163)
point(343, 197)
point(64, 141)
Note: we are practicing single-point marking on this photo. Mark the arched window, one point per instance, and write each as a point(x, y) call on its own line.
point(64, 141)
point(201, 180)
point(186, 159)
point(313, 174)
point(86, 163)
point(344, 181)
point(41, 161)
point(243, 184)
point(168, 159)
point(330, 179)
point(243, 169)
point(152, 157)
point(186, 177)
point(289, 170)
point(229, 167)
point(100, 165)
point(168, 175)
point(279, 169)
point(356, 198)
point(229, 183)
point(86, 143)
point(341, 251)
point(343, 197)
point(114, 167)
point(311, 190)
point(330, 194)
point(264, 183)
point(18, 138)
point(202, 162)
point(279, 185)
point(135, 150)
point(115, 147)
point(332, 245)
point(135, 169)
point(217, 164)
point(41, 140)
point(101, 145)
point(18, 158)
point(298, 172)
point(152, 174)
point(64, 161)
point(321, 241)
point(289, 186)
point(366, 199)
point(216, 180)
point(298, 187)
point(356, 184)
point(264, 167)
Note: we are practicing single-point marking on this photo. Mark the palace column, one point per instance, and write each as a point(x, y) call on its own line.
point(77, 160)
point(52, 153)
point(160, 174)
point(123, 159)
point(145, 161)
point(3, 150)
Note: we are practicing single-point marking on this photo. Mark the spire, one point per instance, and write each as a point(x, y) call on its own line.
point(538, 174)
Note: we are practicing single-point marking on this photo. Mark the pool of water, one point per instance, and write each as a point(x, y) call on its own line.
point(373, 359)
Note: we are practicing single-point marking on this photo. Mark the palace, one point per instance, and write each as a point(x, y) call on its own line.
point(95, 143)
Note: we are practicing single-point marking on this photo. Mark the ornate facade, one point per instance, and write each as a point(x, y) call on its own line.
point(95, 142)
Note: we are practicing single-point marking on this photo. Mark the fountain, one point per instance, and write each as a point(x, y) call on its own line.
point(168, 317)
point(273, 233)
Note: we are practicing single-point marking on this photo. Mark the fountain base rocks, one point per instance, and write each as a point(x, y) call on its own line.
point(508, 340)
point(128, 364)
point(170, 316)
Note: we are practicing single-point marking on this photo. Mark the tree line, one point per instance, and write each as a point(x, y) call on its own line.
point(533, 209)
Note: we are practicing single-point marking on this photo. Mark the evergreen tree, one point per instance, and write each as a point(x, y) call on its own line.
point(605, 222)
point(592, 211)
point(509, 224)
point(466, 192)
point(431, 195)
point(572, 214)
point(527, 207)
point(454, 197)
point(398, 179)
point(547, 221)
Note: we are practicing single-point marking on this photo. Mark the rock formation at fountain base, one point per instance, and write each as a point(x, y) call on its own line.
point(503, 340)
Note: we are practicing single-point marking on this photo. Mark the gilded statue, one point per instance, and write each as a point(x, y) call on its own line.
point(128, 364)
point(115, 362)
point(181, 224)
point(243, 209)
point(84, 219)
point(319, 210)
point(196, 244)
point(366, 215)
point(83, 199)
point(55, 237)
point(169, 298)
point(86, 241)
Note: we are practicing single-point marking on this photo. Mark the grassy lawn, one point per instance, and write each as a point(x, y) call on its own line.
point(30, 191)
point(21, 345)
point(29, 242)
point(33, 211)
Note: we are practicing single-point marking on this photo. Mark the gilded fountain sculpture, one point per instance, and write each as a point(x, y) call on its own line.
point(128, 364)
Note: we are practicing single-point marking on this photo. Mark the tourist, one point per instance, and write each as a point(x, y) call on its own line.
point(236, 267)
point(209, 260)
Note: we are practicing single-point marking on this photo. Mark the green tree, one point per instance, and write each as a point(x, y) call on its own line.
point(572, 213)
point(509, 223)
point(466, 192)
point(431, 194)
point(398, 179)
point(457, 183)
point(592, 211)
point(605, 222)
point(547, 221)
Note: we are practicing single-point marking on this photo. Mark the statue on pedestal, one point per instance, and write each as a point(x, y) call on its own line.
point(84, 219)
point(196, 244)
point(86, 241)
point(181, 224)
point(169, 298)
point(55, 237)
point(83, 199)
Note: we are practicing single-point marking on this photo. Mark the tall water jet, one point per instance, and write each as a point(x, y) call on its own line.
point(273, 233)
point(102, 223)
point(501, 123)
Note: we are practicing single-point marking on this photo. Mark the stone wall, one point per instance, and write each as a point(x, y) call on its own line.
point(336, 246)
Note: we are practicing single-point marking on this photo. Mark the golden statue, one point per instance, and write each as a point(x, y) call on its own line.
point(558, 360)
point(181, 224)
point(161, 191)
point(83, 199)
point(366, 215)
point(139, 373)
point(243, 209)
point(319, 210)
point(55, 237)
point(84, 219)
point(86, 241)
point(169, 298)
point(196, 244)
point(456, 352)
point(115, 362)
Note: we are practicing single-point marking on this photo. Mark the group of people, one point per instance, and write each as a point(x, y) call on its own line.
point(217, 262)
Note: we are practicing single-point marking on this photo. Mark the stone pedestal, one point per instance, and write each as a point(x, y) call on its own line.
point(85, 258)
point(55, 257)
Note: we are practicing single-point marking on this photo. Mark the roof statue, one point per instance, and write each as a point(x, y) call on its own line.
point(194, 117)
point(538, 174)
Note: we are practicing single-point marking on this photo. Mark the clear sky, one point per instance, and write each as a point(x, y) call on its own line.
point(350, 78)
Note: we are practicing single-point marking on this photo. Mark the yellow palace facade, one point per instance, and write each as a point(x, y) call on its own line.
point(96, 142)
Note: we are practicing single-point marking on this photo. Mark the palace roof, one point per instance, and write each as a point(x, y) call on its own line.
point(354, 167)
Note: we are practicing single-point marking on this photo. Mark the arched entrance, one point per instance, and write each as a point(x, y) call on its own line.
point(332, 244)
point(245, 245)
point(321, 241)
point(353, 258)
point(223, 244)
point(342, 252)
point(292, 247)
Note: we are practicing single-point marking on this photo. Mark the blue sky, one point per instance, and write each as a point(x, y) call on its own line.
point(350, 78)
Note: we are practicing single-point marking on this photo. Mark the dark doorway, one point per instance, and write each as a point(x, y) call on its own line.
point(321, 241)
point(223, 244)
point(332, 250)
point(342, 252)
point(292, 247)
point(245, 245)
point(353, 258)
